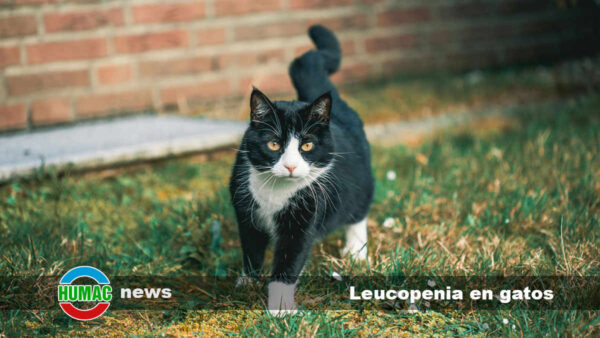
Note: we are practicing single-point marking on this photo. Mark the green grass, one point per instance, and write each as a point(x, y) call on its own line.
point(523, 200)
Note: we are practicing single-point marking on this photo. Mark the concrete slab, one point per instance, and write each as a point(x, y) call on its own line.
point(122, 140)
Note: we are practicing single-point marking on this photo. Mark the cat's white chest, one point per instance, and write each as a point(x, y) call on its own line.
point(271, 195)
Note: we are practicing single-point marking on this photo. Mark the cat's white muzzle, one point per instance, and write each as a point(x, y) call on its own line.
point(291, 163)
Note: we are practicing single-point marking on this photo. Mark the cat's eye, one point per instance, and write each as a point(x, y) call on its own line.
point(273, 145)
point(307, 146)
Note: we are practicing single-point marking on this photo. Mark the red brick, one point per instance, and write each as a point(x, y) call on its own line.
point(32, 83)
point(13, 116)
point(298, 4)
point(342, 23)
point(173, 67)
point(67, 50)
point(248, 59)
point(168, 12)
point(51, 111)
point(348, 48)
point(17, 26)
point(151, 41)
point(402, 16)
point(382, 44)
point(271, 83)
point(83, 20)
point(34, 2)
point(298, 51)
point(352, 73)
point(262, 57)
point(112, 74)
point(9, 56)
point(210, 36)
point(104, 104)
point(272, 30)
point(203, 90)
point(236, 7)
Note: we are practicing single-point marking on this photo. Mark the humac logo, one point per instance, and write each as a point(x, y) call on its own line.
point(100, 293)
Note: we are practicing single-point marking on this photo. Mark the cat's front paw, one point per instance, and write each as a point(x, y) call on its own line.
point(357, 252)
point(281, 299)
point(283, 313)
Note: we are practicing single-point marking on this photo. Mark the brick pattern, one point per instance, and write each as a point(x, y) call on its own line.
point(83, 20)
point(52, 110)
point(64, 60)
point(46, 52)
point(18, 25)
point(168, 12)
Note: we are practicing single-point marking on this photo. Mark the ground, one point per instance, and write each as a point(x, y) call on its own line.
point(520, 199)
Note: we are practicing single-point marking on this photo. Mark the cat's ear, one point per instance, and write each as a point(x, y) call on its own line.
point(260, 106)
point(320, 109)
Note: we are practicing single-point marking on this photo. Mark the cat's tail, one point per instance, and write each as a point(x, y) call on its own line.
point(310, 72)
point(328, 46)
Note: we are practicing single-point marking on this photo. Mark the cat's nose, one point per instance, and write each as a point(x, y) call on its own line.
point(290, 168)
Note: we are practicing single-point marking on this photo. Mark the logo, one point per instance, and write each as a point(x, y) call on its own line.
point(101, 293)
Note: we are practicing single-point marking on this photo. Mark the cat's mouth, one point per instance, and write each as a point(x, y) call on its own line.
point(290, 177)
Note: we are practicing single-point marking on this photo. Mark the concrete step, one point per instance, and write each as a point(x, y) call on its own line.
point(121, 140)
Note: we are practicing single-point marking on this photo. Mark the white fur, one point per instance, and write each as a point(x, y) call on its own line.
point(273, 193)
point(291, 157)
point(356, 240)
point(281, 299)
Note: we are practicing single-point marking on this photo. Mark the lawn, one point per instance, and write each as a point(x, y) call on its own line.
point(518, 201)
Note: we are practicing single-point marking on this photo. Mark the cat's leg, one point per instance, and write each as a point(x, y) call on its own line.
point(356, 240)
point(254, 244)
point(292, 250)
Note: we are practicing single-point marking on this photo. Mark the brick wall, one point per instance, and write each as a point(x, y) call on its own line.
point(66, 60)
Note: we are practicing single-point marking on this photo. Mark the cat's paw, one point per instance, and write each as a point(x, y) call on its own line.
point(356, 241)
point(283, 313)
point(245, 281)
point(358, 253)
point(281, 299)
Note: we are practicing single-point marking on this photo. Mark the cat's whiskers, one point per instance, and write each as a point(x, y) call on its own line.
point(240, 150)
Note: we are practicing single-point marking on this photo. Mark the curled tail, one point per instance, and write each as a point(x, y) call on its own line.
point(328, 46)
point(310, 72)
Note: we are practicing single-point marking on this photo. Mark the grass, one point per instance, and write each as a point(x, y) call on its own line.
point(515, 201)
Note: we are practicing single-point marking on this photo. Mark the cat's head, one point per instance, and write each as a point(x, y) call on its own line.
point(289, 139)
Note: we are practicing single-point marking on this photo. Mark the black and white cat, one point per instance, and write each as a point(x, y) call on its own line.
point(302, 171)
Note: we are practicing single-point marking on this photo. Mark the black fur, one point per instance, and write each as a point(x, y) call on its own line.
point(341, 197)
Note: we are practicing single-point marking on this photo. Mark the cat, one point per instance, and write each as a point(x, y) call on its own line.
point(303, 170)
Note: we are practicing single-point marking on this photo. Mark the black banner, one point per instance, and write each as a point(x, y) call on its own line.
point(321, 293)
